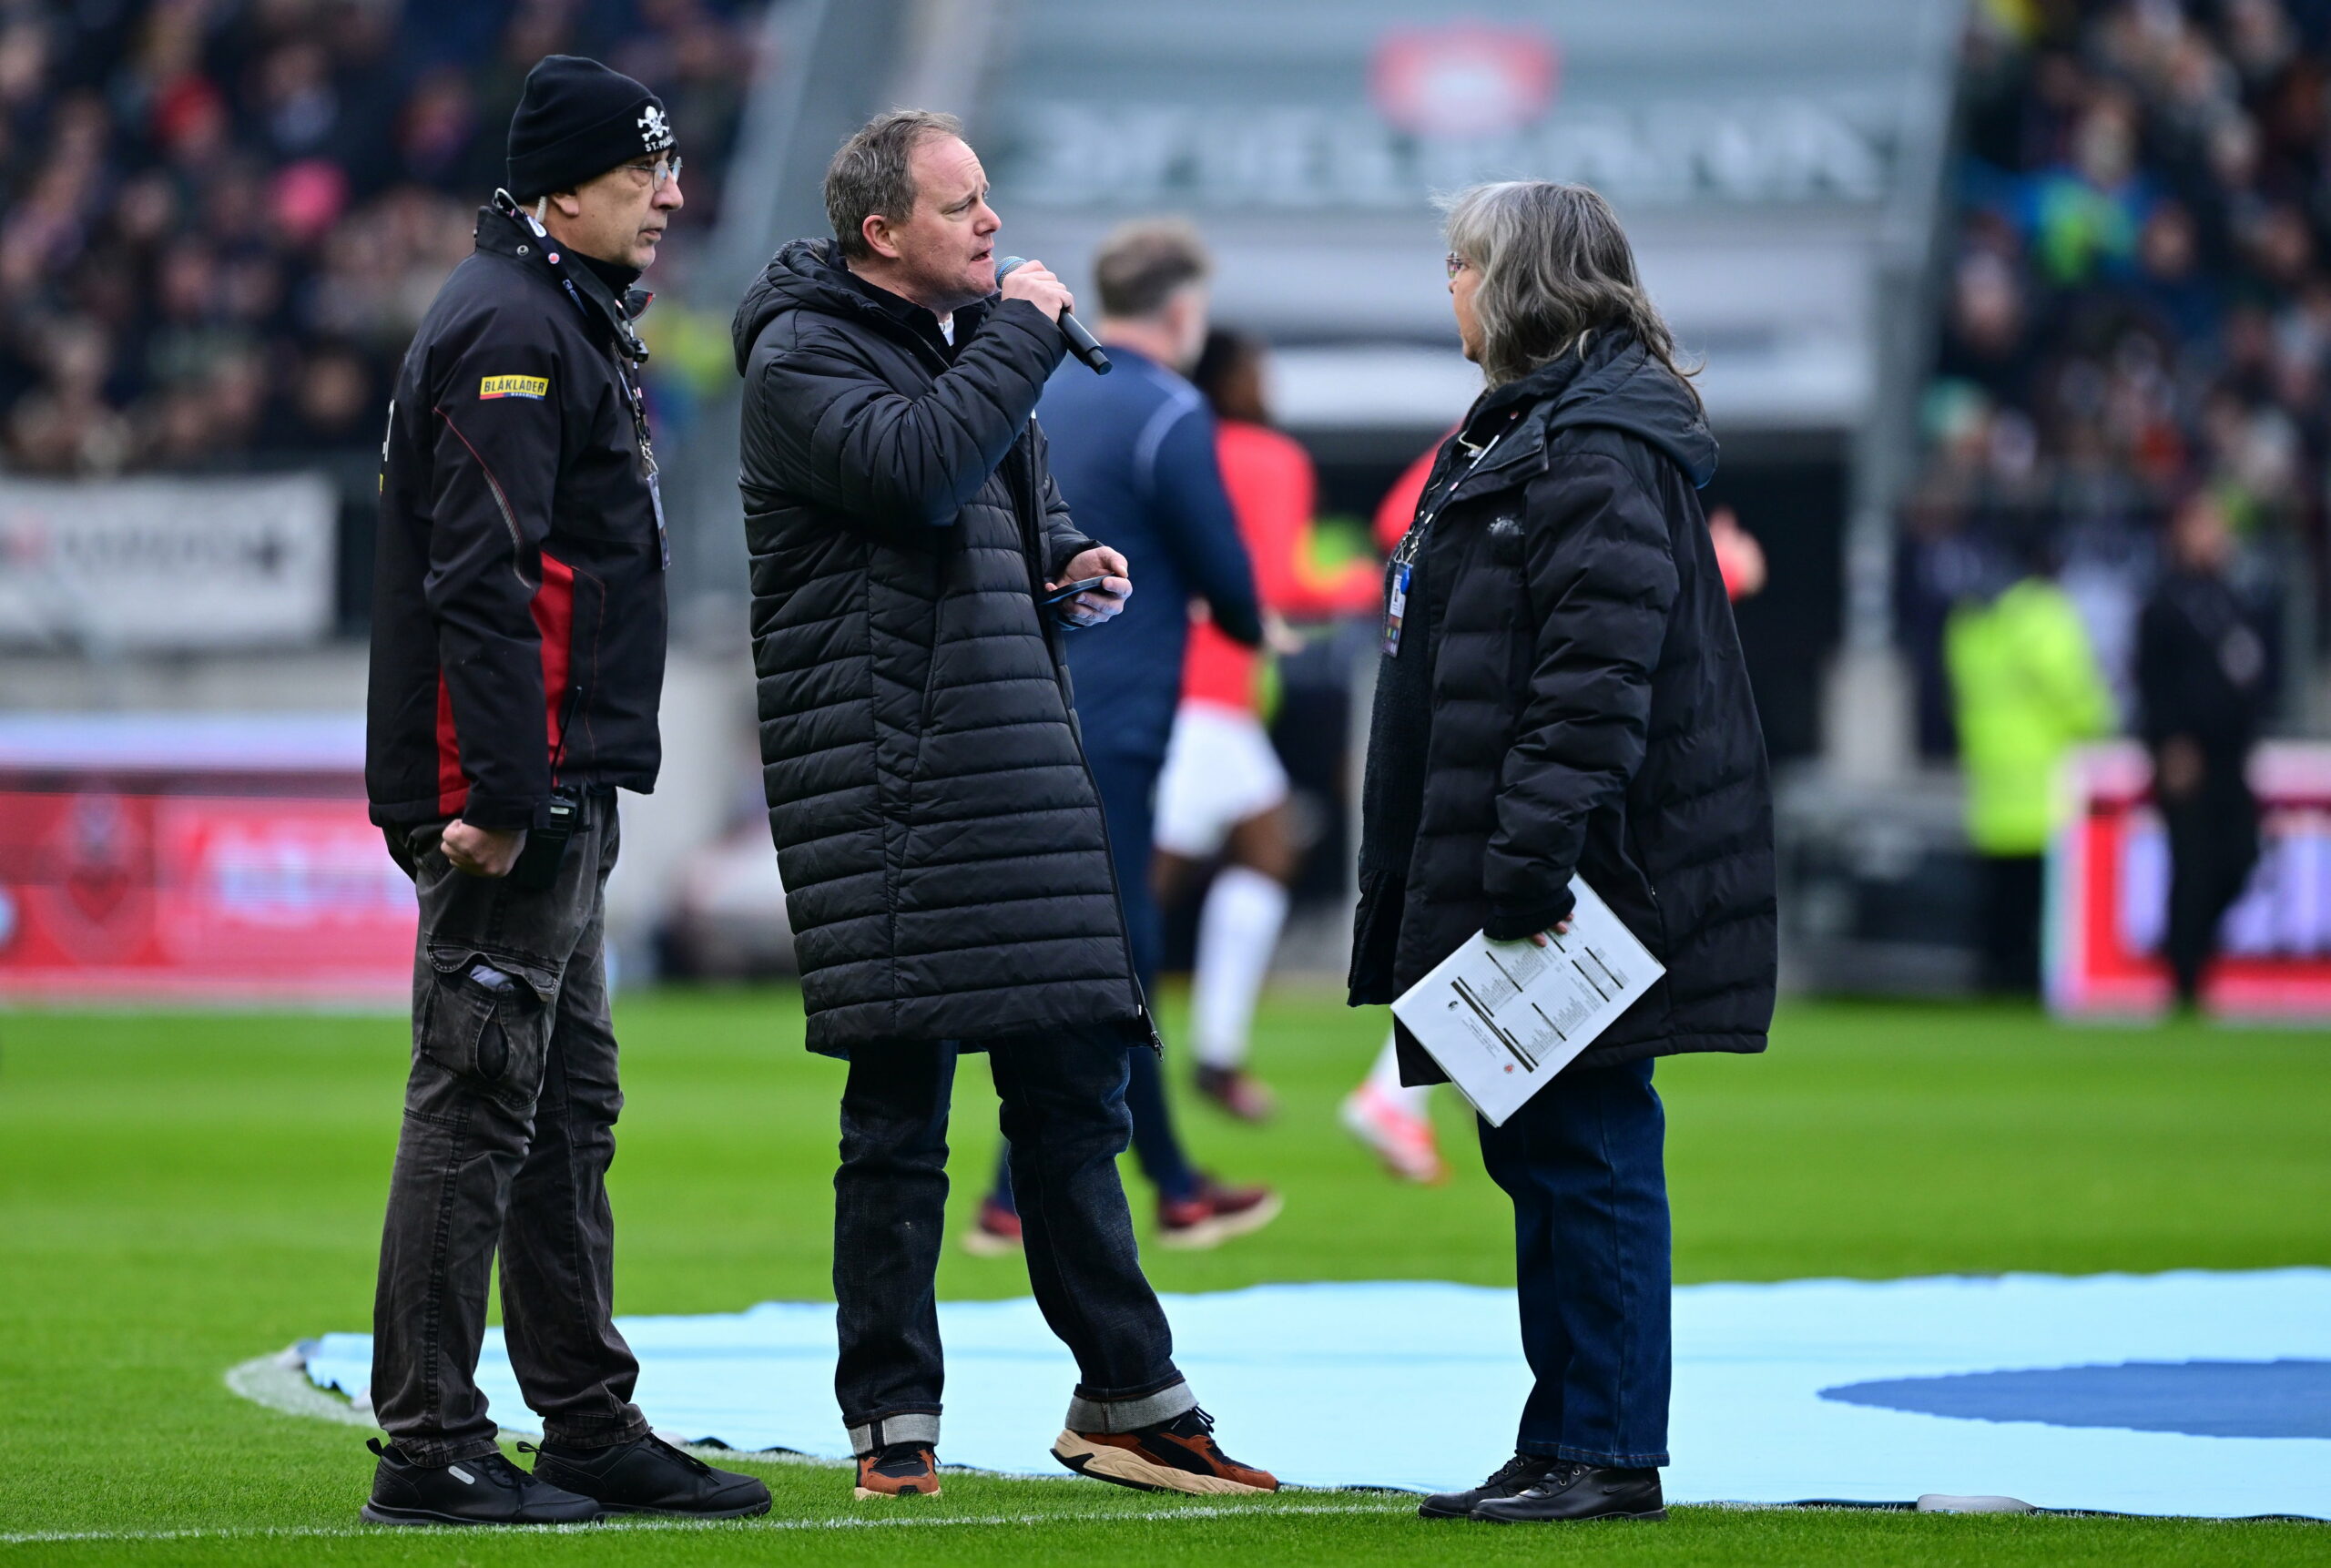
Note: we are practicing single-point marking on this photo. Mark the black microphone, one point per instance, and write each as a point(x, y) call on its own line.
point(1081, 343)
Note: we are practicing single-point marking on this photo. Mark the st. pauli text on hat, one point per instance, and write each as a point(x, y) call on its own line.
point(518, 634)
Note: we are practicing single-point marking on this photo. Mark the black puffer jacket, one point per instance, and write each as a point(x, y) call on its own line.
point(1582, 707)
point(946, 869)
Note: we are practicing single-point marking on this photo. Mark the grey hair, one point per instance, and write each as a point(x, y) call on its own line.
point(1555, 266)
point(873, 172)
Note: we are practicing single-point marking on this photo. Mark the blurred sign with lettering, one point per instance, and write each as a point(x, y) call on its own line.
point(2109, 891)
point(223, 859)
point(1380, 104)
point(167, 564)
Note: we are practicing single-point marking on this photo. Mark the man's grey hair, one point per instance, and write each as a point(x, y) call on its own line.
point(1555, 266)
point(1142, 264)
point(873, 173)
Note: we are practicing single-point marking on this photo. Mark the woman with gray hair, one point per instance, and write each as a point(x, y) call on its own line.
point(1562, 694)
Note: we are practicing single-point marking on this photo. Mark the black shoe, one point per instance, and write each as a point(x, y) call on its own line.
point(1516, 1474)
point(649, 1475)
point(487, 1489)
point(1574, 1492)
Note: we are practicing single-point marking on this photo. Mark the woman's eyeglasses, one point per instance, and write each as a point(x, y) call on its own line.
point(1456, 264)
point(663, 171)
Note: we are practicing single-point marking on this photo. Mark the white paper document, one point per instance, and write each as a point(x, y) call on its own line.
point(1503, 1017)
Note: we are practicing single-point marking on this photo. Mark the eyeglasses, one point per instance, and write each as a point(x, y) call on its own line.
point(1456, 264)
point(662, 172)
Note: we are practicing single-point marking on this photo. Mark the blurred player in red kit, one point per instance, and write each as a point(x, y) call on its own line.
point(1223, 791)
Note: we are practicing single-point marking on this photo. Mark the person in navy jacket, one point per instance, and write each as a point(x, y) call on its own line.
point(1134, 454)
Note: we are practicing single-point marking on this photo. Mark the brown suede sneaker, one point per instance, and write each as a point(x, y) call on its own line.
point(898, 1469)
point(1179, 1455)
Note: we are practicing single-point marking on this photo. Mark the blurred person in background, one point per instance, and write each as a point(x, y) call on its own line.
point(518, 635)
point(2203, 679)
point(2141, 297)
point(1562, 694)
point(1223, 790)
point(1135, 455)
point(2026, 689)
point(950, 879)
point(1737, 555)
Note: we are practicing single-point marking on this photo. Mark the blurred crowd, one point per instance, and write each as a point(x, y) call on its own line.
point(222, 218)
point(2138, 307)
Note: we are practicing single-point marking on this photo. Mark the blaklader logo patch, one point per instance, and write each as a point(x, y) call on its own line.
point(513, 386)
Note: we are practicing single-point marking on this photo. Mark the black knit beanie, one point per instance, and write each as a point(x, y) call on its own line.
point(577, 119)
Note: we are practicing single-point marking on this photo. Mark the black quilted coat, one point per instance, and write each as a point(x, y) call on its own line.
point(946, 869)
point(1582, 707)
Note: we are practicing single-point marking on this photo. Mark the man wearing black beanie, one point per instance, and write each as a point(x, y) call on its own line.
point(518, 631)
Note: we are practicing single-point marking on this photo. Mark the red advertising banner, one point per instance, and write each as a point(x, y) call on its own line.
point(159, 862)
point(2108, 890)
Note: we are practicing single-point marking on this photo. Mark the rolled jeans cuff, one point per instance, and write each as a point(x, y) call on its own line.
point(1090, 1412)
point(896, 1426)
point(1604, 1459)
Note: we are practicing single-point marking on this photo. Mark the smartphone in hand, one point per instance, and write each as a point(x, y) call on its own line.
point(1068, 590)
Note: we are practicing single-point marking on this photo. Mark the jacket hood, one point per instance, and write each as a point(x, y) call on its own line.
point(807, 275)
point(1617, 383)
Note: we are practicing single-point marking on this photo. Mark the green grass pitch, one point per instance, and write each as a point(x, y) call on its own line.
point(179, 1193)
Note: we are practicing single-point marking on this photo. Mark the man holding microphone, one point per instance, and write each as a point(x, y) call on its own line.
point(915, 573)
point(518, 631)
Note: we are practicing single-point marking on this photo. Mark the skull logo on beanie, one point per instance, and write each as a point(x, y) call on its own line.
point(576, 120)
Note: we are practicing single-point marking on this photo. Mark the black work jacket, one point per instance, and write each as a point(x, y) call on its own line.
point(518, 614)
point(1584, 709)
point(946, 868)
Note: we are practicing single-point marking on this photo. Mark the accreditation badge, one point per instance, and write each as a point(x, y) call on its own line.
point(1396, 606)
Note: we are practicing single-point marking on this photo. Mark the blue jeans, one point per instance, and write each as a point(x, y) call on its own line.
point(1582, 1163)
point(1128, 789)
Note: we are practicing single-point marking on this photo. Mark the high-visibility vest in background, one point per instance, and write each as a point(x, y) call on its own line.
point(2026, 688)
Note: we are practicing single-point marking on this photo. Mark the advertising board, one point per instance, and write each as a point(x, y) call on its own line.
point(187, 869)
point(2109, 884)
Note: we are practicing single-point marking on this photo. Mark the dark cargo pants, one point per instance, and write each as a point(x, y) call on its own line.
point(509, 1128)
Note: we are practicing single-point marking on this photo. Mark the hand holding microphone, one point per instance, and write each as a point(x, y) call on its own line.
point(1020, 278)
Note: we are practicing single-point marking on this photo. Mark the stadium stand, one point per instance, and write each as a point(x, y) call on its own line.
point(223, 218)
point(2138, 300)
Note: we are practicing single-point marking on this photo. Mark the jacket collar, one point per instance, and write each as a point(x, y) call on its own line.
point(1612, 381)
point(808, 275)
point(509, 231)
point(918, 319)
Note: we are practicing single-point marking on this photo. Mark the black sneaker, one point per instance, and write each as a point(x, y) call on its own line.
point(487, 1489)
point(1517, 1474)
point(1571, 1492)
point(649, 1475)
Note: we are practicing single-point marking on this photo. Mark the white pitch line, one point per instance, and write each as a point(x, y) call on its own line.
point(352, 1531)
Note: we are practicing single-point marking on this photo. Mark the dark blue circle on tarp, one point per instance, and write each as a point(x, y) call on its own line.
point(2201, 1399)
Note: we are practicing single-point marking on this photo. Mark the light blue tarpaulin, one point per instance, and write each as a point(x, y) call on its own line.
point(1808, 1388)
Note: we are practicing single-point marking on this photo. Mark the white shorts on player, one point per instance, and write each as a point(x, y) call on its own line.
point(1220, 771)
